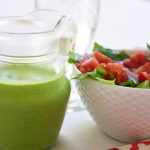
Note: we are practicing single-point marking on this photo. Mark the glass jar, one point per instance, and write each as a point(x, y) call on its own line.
point(33, 90)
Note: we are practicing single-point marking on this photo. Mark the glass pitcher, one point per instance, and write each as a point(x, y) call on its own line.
point(33, 90)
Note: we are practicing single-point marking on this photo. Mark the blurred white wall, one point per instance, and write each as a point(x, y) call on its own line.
point(124, 23)
point(15, 7)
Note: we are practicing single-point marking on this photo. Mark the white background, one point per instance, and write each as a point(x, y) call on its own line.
point(124, 23)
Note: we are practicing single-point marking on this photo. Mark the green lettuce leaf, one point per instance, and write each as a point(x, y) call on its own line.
point(111, 82)
point(130, 83)
point(98, 74)
point(118, 56)
point(73, 57)
point(148, 46)
point(135, 84)
point(82, 75)
point(144, 85)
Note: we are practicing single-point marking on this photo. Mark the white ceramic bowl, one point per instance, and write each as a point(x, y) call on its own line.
point(121, 112)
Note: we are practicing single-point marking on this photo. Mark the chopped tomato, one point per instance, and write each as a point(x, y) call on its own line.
point(107, 76)
point(137, 60)
point(118, 71)
point(144, 68)
point(77, 65)
point(101, 58)
point(143, 76)
point(88, 65)
point(102, 65)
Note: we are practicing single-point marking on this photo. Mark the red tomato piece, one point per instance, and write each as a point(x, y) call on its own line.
point(88, 65)
point(107, 76)
point(78, 65)
point(136, 60)
point(118, 71)
point(143, 76)
point(101, 58)
point(144, 68)
point(102, 65)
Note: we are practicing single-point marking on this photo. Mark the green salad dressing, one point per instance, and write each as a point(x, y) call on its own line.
point(33, 101)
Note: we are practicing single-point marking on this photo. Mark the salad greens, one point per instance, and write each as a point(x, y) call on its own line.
point(148, 46)
point(130, 83)
point(144, 85)
point(118, 56)
point(73, 57)
point(133, 83)
point(98, 74)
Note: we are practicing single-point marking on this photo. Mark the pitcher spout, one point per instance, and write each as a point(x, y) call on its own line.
point(54, 19)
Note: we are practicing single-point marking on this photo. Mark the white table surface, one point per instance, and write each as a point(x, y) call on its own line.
point(79, 132)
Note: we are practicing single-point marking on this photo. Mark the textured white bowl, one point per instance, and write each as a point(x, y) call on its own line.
point(121, 112)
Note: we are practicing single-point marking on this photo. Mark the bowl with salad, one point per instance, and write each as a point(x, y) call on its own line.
point(114, 85)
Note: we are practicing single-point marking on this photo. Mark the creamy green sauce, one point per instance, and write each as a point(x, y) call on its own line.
point(33, 101)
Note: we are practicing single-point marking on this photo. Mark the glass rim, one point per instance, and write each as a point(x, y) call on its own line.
point(58, 24)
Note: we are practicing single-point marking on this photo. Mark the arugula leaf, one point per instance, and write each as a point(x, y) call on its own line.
point(73, 57)
point(144, 85)
point(118, 56)
point(130, 83)
point(148, 46)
